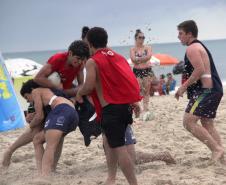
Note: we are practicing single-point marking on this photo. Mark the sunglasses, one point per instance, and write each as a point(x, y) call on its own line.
point(140, 37)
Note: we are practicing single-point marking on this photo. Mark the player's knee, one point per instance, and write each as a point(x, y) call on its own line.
point(37, 140)
point(186, 124)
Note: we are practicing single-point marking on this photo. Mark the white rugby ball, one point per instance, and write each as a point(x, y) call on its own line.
point(55, 78)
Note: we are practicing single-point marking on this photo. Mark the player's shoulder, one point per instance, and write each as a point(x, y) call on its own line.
point(194, 48)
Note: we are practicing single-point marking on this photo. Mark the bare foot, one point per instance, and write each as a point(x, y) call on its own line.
point(217, 155)
point(222, 160)
point(6, 159)
point(109, 181)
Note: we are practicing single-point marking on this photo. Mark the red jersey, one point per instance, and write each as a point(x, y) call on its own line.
point(67, 73)
point(119, 84)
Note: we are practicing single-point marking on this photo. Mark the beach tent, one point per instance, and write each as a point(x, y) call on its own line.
point(11, 115)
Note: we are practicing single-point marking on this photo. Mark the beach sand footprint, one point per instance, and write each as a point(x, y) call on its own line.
point(20, 158)
point(74, 171)
point(163, 182)
point(100, 182)
point(147, 166)
point(68, 162)
point(187, 163)
point(220, 171)
point(205, 164)
point(40, 182)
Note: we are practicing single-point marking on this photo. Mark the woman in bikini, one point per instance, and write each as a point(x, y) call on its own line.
point(140, 55)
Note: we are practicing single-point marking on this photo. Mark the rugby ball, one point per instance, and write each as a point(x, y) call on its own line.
point(55, 78)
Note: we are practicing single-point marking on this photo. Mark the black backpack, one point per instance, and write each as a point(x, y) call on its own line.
point(179, 68)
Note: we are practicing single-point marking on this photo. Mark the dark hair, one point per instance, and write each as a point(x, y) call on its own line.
point(97, 37)
point(137, 33)
point(85, 30)
point(80, 49)
point(162, 76)
point(189, 26)
point(28, 86)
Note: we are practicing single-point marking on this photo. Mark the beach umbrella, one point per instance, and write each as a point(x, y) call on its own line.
point(163, 59)
point(21, 67)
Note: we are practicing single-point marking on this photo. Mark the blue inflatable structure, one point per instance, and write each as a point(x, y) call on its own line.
point(11, 115)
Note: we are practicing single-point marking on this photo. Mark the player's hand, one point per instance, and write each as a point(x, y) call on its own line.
point(73, 100)
point(78, 97)
point(180, 92)
point(30, 116)
point(60, 86)
point(136, 109)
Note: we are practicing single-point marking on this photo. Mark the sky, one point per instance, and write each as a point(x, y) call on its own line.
point(30, 25)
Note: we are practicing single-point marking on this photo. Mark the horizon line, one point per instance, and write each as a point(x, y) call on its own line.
point(156, 43)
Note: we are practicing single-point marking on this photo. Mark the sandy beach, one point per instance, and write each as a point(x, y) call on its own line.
point(86, 166)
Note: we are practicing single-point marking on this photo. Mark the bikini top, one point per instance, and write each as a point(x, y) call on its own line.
point(143, 54)
point(57, 93)
point(52, 99)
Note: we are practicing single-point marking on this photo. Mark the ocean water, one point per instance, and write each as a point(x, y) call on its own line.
point(216, 47)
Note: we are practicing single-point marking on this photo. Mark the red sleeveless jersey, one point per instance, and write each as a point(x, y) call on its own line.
point(67, 73)
point(119, 84)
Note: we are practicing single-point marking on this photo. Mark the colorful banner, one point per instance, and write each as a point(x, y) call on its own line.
point(11, 115)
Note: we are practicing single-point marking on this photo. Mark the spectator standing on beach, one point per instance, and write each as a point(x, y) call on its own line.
point(162, 85)
point(140, 55)
point(170, 83)
point(204, 90)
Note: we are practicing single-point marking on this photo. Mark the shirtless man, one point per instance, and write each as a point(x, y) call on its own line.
point(204, 89)
point(108, 80)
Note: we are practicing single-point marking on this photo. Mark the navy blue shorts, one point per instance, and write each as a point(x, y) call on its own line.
point(204, 103)
point(63, 117)
point(115, 119)
point(129, 136)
